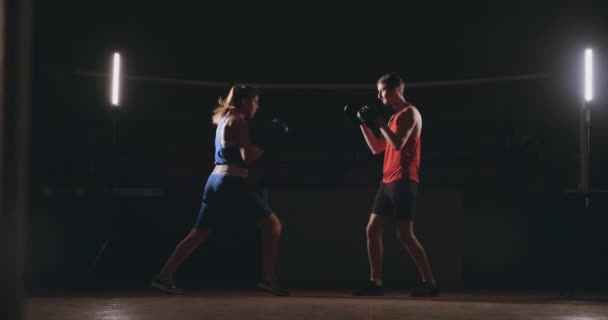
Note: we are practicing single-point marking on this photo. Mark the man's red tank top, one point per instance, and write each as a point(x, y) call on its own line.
point(404, 163)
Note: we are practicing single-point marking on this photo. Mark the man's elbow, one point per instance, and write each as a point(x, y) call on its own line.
point(398, 146)
point(377, 151)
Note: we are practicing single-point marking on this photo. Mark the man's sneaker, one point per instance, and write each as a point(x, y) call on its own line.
point(272, 287)
point(371, 289)
point(425, 289)
point(166, 286)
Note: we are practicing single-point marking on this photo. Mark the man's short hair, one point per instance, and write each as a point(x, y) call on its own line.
point(392, 80)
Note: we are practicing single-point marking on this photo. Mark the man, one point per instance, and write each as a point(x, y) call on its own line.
point(396, 196)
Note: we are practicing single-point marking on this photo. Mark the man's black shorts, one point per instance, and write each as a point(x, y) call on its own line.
point(396, 200)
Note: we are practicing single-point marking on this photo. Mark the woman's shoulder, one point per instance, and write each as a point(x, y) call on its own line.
point(234, 116)
point(235, 119)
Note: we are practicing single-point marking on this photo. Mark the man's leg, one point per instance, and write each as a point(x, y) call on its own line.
point(375, 252)
point(375, 246)
point(405, 234)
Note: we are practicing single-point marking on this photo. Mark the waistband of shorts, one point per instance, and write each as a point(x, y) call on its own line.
point(230, 170)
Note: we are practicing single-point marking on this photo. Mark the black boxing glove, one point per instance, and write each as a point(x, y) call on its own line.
point(368, 116)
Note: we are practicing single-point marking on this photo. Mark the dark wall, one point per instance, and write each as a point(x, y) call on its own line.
point(536, 240)
point(497, 160)
point(474, 239)
point(323, 240)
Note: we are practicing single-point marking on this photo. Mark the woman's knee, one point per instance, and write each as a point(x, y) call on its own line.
point(197, 236)
point(271, 225)
point(276, 227)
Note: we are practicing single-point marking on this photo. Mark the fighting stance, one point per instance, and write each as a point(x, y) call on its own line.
point(396, 196)
point(227, 196)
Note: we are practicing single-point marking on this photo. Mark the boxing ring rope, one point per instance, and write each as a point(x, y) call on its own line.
point(316, 86)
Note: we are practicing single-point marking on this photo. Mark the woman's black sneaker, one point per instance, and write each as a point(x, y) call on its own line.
point(371, 289)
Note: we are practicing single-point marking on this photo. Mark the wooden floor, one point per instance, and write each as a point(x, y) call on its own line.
point(315, 304)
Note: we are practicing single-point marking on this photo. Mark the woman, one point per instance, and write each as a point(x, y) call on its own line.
point(227, 195)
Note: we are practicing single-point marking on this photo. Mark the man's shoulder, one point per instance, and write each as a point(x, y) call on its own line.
point(412, 108)
point(409, 111)
point(408, 116)
point(412, 111)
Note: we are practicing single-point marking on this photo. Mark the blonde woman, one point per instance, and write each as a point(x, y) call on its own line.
point(227, 195)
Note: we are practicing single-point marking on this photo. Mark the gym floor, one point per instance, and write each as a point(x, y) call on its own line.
point(316, 304)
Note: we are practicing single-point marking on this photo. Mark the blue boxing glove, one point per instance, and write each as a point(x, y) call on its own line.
point(269, 133)
point(280, 126)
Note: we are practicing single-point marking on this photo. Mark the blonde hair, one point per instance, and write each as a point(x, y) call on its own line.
point(233, 100)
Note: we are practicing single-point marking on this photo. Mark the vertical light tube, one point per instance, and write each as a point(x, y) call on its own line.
point(588, 75)
point(115, 98)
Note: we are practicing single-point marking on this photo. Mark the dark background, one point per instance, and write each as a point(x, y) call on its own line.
point(498, 206)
